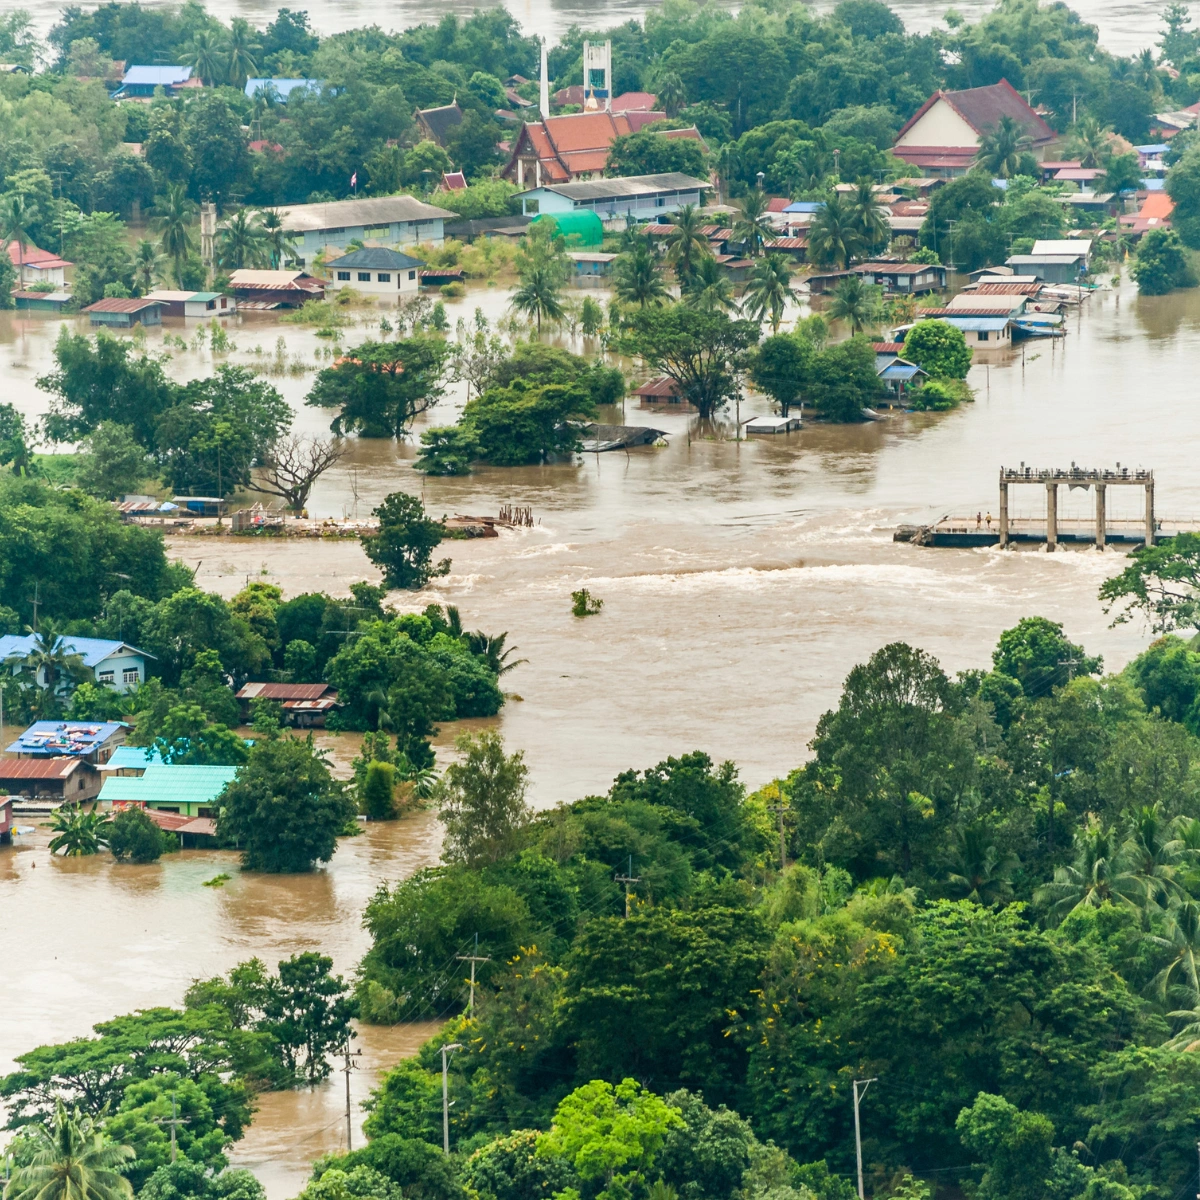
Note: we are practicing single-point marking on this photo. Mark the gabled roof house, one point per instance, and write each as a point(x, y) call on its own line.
point(943, 137)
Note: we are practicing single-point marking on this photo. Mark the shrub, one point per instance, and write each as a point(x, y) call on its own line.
point(134, 837)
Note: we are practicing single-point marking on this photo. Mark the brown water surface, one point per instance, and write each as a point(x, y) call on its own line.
point(741, 580)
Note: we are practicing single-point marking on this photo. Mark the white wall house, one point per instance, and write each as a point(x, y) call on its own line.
point(115, 664)
point(375, 271)
point(396, 222)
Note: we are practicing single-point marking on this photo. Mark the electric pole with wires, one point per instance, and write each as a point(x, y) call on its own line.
point(865, 1083)
point(473, 959)
point(173, 1121)
point(780, 809)
point(351, 1065)
point(628, 880)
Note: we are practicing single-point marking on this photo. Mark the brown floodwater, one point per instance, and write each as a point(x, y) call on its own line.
point(741, 580)
point(1125, 27)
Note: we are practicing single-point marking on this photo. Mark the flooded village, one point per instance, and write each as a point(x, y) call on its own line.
point(605, 414)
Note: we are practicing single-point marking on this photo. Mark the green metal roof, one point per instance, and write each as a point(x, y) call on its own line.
point(164, 783)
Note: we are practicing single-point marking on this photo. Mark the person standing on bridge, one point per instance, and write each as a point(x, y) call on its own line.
point(989, 522)
point(979, 520)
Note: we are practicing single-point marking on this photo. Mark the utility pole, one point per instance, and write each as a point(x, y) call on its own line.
point(450, 1049)
point(1070, 664)
point(780, 809)
point(173, 1121)
point(36, 600)
point(866, 1083)
point(473, 959)
point(351, 1065)
point(628, 881)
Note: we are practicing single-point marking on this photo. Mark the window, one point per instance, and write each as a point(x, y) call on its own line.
point(983, 335)
point(206, 811)
point(531, 206)
point(412, 274)
point(660, 201)
point(364, 277)
point(384, 277)
point(377, 231)
point(130, 675)
point(105, 676)
point(344, 275)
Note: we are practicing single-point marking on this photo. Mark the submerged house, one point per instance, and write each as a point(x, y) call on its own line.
point(90, 741)
point(190, 791)
point(63, 779)
point(393, 221)
point(304, 705)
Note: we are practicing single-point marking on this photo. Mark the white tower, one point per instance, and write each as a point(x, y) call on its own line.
point(597, 75)
point(544, 91)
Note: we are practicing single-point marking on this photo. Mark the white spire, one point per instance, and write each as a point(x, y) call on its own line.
point(544, 93)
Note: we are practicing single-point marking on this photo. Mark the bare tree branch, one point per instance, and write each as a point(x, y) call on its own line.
point(293, 465)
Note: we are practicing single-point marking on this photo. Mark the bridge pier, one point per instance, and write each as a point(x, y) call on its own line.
point(1003, 512)
point(1051, 517)
point(1150, 512)
point(1101, 516)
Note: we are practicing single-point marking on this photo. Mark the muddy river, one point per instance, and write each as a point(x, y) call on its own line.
point(741, 580)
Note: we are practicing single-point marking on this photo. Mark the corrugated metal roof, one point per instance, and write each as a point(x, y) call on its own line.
point(284, 281)
point(158, 76)
point(169, 784)
point(93, 651)
point(132, 758)
point(658, 387)
point(118, 304)
point(625, 188)
point(347, 214)
point(38, 768)
point(378, 258)
point(283, 691)
point(51, 738)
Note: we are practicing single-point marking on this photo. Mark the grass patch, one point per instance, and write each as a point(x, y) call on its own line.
point(217, 880)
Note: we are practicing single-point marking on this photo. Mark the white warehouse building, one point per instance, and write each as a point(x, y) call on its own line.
point(393, 221)
point(643, 197)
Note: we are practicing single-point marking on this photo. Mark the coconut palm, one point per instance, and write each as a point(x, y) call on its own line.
point(834, 237)
point(670, 93)
point(491, 648)
point(709, 289)
point(171, 218)
point(279, 245)
point(769, 291)
point(1145, 72)
point(1001, 147)
point(636, 277)
point(17, 216)
point(870, 217)
point(241, 49)
point(72, 1160)
point(1181, 941)
point(48, 663)
point(982, 873)
point(78, 834)
point(1097, 876)
point(147, 264)
point(856, 302)
point(206, 57)
point(241, 242)
point(751, 227)
point(728, 162)
point(1090, 140)
point(686, 245)
point(540, 292)
point(1154, 853)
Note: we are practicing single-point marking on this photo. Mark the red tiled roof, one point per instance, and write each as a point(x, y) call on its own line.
point(120, 305)
point(777, 204)
point(44, 260)
point(634, 102)
point(453, 181)
point(37, 768)
point(932, 157)
point(982, 108)
point(887, 347)
point(1056, 165)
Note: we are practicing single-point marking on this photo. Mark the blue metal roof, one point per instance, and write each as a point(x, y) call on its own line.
point(1154, 185)
point(900, 372)
point(805, 206)
point(282, 87)
point(157, 76)
point(51, 739)
point(975, 324)
point(132, 758)
point(1159, 148)
point(93, 651)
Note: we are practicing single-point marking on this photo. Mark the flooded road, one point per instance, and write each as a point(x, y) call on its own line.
point(741, 581)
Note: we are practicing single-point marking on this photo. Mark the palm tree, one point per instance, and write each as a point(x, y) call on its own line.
point(1181, 940)
point(834, 237)
point(279, 245)
point(17, 215)
point(752, 228)
point(709, 289)
point(869, 217)
point(1145, 72)
point(147, 262)
point(48, 663)
point(769, 291)
point(728, 161)
point(686, 245)
point(492, 651)
point(982, 873)
point(1001, 147)
point(241, 48)
point(540, 293)
point(636, 277)
point(78, 833)
point(72, 1160)
point(1097, 876)
point(171, 217)
point(856, 302)
point(670, 93)
point(205, 57)
point(1090, 140)
point(241, 242)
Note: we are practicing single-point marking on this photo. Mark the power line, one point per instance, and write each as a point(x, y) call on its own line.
point(473, 959)
point(866, 1083)
point(351, 1065)
point(628, 881)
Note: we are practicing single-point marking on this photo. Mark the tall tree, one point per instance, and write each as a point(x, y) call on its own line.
point(72, 1160)
point(855, 302)
point(835, 235)
point(481, 800)
point(403, 546)
point(752, 227)
point(636, 277)
point(241, 49)
point(241, 242)
point(770, 290)
point(205, 56)
point(687, 247)
point(171, 216)
point(1001, 147)
point(17, 217)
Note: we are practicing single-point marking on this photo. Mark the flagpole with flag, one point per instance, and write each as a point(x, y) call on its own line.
point(354, 182)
